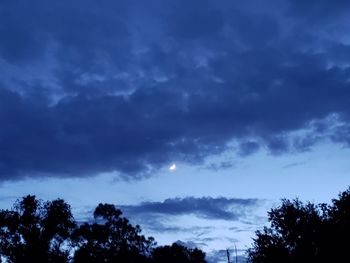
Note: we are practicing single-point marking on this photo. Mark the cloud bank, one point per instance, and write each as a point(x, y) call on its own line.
point(221, 208)
point(89, 87)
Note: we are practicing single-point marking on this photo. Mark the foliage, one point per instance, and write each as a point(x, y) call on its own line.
point(35, 231)
point(305, 233)
point(113, 239)
point(46, 232)
point(177, 254)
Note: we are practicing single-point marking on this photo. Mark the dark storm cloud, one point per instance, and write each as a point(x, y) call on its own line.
point(323, 9)
point(195, 19)
point(205, 207)
point(28, 28)
point(90, 87)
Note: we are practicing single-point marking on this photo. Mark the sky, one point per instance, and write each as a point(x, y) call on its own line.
point(250, 99)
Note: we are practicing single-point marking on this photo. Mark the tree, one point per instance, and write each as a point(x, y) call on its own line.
point(46, 232)
point(305, 233)
point(177, 254)
point(111, 238)
point(35, 231)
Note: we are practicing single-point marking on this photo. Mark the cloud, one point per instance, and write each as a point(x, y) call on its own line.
point(292, 165)
point(220, 166)
point(248, 148)
point(206, 207)
point(127, 87)
point(322, 10)
point(33, 27)
point(209, 221)
point(194, 20)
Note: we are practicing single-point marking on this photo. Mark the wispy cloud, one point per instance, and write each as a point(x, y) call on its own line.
point(206, 207)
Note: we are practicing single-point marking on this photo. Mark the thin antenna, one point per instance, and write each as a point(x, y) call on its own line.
point(228, 256)
point(236, 252)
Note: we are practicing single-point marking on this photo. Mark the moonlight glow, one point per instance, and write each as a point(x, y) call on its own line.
point(172, 167)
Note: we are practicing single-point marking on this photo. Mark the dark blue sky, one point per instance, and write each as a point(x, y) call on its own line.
point(122, 89)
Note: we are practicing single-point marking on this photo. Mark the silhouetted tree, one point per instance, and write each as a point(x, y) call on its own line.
point(45, 232)
point(305, 233)
point(35, 231)
point(177, 254)
point(111, 238)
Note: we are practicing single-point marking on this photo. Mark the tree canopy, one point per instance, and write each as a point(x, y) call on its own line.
point(42, 232)
point(38, 231)
point(114, 240)
point(35, 231)
point(177, 254)
point(305, 233)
